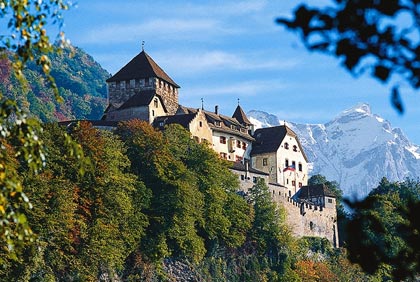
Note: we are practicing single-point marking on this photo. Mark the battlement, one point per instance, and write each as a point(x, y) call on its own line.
point(306, 218)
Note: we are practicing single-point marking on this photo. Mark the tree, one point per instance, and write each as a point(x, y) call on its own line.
point(176, 204)
point(385, 231)
point(378, 36)
point(28, 38)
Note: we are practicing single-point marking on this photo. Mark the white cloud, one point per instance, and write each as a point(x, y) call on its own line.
point(238, 89)
point(166, 29)
point(207, 61)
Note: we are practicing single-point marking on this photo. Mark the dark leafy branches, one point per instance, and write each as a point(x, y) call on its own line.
point(378, 36)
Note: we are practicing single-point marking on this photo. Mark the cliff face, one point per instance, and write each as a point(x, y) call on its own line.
point(356, 149)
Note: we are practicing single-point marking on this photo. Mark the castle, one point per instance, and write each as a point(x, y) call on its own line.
point(142, 90)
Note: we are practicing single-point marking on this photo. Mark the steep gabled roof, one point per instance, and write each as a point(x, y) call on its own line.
point(268, 139)
point(240, 116)
point(141, 99)
point(141, 66)
point(313, 191)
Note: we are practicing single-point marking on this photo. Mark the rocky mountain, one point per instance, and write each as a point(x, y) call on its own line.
point(356, 149)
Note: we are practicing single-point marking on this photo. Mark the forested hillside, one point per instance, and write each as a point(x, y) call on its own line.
point(155, 206)
point(80, 80)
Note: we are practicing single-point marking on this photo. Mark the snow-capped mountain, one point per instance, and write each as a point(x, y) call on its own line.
point(357, 149)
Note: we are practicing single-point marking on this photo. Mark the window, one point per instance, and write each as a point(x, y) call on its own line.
point(223, 155)
point(161, 123)
point(293, 183)
point(264, 161)
point(153, 113)
point(217, 123)
point(243, 145)
point(254, 179)
point(155, 102)
point(286, 164)
point(238, 144)
point(330, 201)
point(222, 140)
point(300, 167)
point(201, 124)
point(242, 177)
point(300, 184)
point(286, 146)
point(294, 148)
point(293, 164)
point(287, 181)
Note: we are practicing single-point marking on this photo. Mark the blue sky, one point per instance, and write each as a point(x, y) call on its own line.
point(224, 50)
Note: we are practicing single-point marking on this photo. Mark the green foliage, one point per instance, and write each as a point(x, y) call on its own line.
point(19, 141)
point(385, 231)
point(79, 80)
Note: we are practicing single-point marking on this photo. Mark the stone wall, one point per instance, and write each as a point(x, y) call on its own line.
point(305, 219)
point(121, 91)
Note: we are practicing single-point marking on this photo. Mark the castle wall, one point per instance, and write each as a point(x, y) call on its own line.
point(288, 154)
point(200, 129)
point(270, 166)
point(169, 95)
point(308, 220)
point(121, 91)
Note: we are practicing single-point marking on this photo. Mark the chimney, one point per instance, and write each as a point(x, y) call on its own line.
point(216, 109)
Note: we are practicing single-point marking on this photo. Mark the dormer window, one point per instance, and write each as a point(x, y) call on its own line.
point(294, 148)
point(286, 146)
point(217, 123)
point(161, 123)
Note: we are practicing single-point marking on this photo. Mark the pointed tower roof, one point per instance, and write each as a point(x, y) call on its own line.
point(240, 116)
point(141, 66)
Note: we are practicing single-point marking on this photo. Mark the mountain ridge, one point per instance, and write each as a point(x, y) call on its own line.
point(356, 148)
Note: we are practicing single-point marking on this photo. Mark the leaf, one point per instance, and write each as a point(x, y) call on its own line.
point(396, 100)
point(382, 72)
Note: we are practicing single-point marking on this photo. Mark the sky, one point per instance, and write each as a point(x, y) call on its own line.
point(223, 51)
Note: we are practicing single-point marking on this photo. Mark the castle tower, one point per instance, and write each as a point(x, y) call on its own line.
point(142, 74)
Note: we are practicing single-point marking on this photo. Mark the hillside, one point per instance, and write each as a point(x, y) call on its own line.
point(356, 149)
point(81, 83)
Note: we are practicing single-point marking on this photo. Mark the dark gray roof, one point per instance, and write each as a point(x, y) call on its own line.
point(318, 190)
point(94, 123)
point(241, 167)
point(240, 116)
point(141, 66)
point(183, 120)
point(268, 140)
point(141, 99)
